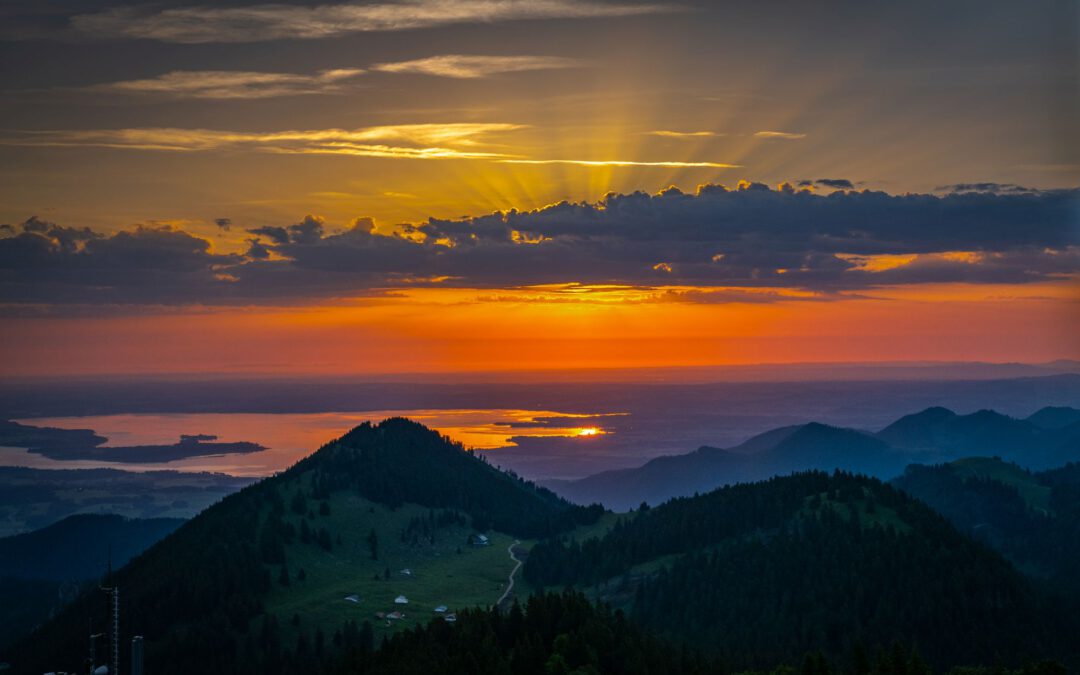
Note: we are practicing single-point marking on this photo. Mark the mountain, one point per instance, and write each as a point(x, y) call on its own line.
point(817, 445)
point(765, 572)
point(944, 431)
point(985, 433)
point(367, 540)
point(1033, 519)
point(79, 547)
point(933, 435)
point(387, 510)
point(42, 571)
point(921, 428)
point(1055, 417)
point(775, 452)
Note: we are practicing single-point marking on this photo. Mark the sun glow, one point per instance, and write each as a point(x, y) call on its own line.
point(589, 431)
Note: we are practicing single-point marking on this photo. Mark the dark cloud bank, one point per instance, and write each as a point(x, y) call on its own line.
point(751, 237)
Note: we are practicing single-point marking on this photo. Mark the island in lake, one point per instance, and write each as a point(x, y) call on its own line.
point(84, 444)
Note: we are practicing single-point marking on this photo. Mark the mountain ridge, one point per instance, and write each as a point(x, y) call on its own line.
point(934, 434)
point(807, 559)
point(211, 579)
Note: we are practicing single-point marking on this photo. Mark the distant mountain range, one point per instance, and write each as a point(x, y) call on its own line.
point(1048, 438)
point(377, 536)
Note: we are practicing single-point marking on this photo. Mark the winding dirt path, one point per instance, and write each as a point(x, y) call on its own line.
point(510, 586)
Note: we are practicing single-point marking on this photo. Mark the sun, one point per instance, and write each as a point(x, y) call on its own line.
point(588, 431)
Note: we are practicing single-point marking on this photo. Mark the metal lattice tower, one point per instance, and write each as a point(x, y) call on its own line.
point(114, 605)
point(115, 591)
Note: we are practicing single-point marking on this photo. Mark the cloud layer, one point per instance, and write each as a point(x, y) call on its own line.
point(239, 84)
point(425, 141)
point(258, 23)
point(460, 66)
point(753, 238)
point(782, 135)
point(228, 84)
point(665, 133)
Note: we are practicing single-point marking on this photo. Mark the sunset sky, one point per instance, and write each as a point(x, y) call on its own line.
point(473, 185)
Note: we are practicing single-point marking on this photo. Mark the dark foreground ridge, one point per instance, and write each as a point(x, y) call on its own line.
point(766, 572)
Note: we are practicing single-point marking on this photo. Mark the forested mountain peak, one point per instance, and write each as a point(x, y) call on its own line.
point(939, 428)
point(401, 461)
point(198, 594)
point(761, 568)
point(1055, 417)
point(817, 435)
point(916, 425)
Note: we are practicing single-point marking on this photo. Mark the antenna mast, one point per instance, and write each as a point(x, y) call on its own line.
point(113, 591)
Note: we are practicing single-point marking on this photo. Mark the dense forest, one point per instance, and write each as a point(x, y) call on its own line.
point(564, 633)
point(203, 587)
point(763, 573)
point(822, 572)
point(1033, 519)
point(553, 634)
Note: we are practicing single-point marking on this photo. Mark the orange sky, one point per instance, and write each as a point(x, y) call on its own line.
point(901, 185)
point(467, 330)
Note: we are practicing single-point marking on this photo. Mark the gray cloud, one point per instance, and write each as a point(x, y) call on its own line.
point(471, 67)
point(834, 183)
point(995, 188)
point(752, 239)
point(257, 250)
point(276, 235)
point(258, 23)
point(307, 231)
point(232, 84)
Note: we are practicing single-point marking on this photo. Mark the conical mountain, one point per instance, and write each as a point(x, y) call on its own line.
point(253, 582)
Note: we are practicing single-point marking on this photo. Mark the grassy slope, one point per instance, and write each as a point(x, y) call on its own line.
point(450, 572)
point(1036, 495)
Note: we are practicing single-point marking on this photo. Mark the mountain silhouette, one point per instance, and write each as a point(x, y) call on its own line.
point(932, 435)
